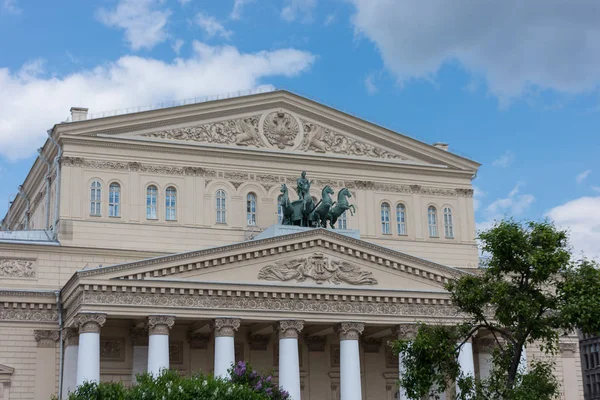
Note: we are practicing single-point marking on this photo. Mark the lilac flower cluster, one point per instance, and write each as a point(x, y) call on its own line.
point(243, 374)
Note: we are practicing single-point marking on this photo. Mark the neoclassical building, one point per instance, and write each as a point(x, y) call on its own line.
point(154, 239)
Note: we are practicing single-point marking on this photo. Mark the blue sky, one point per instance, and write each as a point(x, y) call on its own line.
point(512, 85)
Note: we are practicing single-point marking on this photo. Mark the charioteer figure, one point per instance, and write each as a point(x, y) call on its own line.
point(303, 186)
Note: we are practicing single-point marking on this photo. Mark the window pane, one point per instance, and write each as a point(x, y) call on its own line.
point(171, 204)
point(221, 206)
point(432, 221)
point(95, 198)
point(401, 219)
point(342, 221)
point(151, 196)
point(385, 218)
point(251, 209)
point(114, 200)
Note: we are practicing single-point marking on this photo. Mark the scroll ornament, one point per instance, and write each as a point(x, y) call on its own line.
point(319, 268)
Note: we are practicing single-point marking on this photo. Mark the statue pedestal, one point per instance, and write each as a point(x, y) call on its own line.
point(279, 230)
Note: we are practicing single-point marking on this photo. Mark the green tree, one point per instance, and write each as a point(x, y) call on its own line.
point(530, 291)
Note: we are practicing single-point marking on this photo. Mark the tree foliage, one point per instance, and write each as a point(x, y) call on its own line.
point(531, 290)
point(244, 384)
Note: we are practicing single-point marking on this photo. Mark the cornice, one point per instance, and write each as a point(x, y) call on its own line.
point(346, 245)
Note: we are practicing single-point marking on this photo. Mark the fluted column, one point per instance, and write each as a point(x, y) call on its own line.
point(404, 332)
point(289, 363)
point(224, 329)
point(88, 356)
point(350, 380)
point(158, 342)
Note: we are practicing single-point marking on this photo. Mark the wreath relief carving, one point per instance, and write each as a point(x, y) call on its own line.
point(318, 268)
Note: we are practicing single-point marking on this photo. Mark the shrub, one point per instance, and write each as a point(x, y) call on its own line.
point(245, 384)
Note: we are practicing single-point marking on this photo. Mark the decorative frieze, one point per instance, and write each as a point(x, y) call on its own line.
point(90, 322)
point(46, 338)
point(112, 349)
point(374, 306)
point(160, 324)
point(225, 326)
point(349, 330)
point(258, 342)
point(289, 328)
point(16, 268)
point(318, 268)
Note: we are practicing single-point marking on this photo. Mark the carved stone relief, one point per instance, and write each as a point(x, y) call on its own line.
point(315, 343)
point(199, 340)
point(175, 352)
point(318, 268)
point(46, 338)
point(258, 342)
point(112, 349)
point(324, 140)
point(334, 355)
point(241, 131)
point(281, 129)
point(16, 268)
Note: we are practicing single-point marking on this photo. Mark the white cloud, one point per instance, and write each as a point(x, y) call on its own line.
point(176, 46)
point(238, 7)
point(513, 205)
point(296, 9)
point(581, 177)
point(478, 194)
point(370, 83)
point(582, 218)
point(212, 27)
point(144, 22)
point(11, 7)
point(514, 45)
point(28, 107)
point(505, 160)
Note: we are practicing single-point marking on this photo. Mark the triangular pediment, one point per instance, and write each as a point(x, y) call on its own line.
point(5, 371)
point(273, 122)
point(313, 258)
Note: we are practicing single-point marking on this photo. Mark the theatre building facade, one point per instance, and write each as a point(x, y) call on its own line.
point(183, 238)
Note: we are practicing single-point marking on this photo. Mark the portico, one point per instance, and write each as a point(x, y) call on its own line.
point(317, 331)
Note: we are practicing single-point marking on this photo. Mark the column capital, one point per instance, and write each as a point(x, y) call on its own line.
point(406, 331)
point(289, 328)
point(139, 336)
point(70, 337)
point(160, 324)
point(349, 330)
point(225, 326)
point(90, 322)
point(46, 338)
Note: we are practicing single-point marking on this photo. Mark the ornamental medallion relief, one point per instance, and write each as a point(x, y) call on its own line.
point(318, 268)
point(281, 129)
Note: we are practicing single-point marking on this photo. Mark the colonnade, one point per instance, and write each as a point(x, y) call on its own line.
point(159, 326)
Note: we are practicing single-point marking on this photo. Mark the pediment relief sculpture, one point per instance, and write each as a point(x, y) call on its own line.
point(318, 268)
point(276, 130)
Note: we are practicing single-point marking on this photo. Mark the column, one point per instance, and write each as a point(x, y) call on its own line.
point(88, 356)
point(465, 359)
point(404, 332)
point(139, 338)
point(350, 379)
point(45, 378)
point(289, 363)
point(158, 342)
point(224, 345)
point(71, 343)
point(523, 360)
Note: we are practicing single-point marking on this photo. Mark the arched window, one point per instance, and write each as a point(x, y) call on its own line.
point(401, 218)
point(432, 221)
point(385, 218)
point(96, 199)
point(221, 207)
point(114, 200)
point(151, 197)
point(171, 204)
point(279, 209)
point(342, 222)
point(251, 209)
point(448, 228)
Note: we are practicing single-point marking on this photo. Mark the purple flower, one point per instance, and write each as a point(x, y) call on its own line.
point(269, 391)
point(284, 394)
point(269, 378)
point(258, 386)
